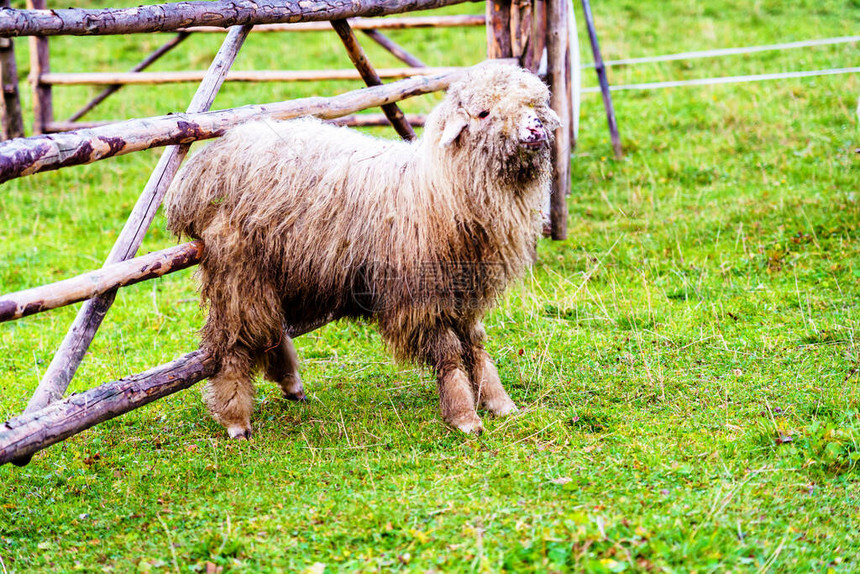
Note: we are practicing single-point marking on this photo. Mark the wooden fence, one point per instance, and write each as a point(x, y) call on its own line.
point(526, 32)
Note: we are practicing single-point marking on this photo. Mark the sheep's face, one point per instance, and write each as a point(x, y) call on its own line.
point(502, 113)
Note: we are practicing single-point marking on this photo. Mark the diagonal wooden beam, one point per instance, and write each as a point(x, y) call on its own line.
point(370, 77)
point(144, 64)
point(59, 374)
point(393, 48)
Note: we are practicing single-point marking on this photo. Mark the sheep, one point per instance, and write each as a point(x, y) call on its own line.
point(304, 223)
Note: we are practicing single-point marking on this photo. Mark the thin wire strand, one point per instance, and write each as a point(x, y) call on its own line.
point(726, 80)
point(729, 51)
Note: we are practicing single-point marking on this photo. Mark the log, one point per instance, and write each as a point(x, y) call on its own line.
point(400, 23)
point(393, 48)
point(87, 78)
point(499, 29)
point(600, 68)
point(40, 64)
point(29, 433)
point(416, 120)
point(65, 362)
point(371, 78)
point(23, 436)
point(25, 156)
point(113, 88)
point(182, 15)
point(556, 42)
point(88, 285)
point(355, 120)
point(537, 39)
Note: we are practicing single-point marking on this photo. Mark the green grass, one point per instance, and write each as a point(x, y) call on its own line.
point(702, 312)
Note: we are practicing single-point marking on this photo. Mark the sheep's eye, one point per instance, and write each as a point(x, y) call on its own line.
point(484, 114)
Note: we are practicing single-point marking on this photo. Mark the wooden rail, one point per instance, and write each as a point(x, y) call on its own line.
point(181, 15)
point(25, 156)
point(125, 78)
point(100, 281)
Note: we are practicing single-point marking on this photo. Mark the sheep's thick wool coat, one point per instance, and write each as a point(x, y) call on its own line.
point(304, 222)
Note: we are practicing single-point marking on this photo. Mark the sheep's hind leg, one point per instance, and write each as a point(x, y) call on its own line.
point(282, 367)
point(229, 394)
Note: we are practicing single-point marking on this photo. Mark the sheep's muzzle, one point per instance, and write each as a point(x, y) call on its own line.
point(533, 134)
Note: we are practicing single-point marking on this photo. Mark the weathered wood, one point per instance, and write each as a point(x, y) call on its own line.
point(26, 156)
point(109, 277)
point(415, 120)
point(499, 29)
point(557, 38)
point(29, 433)
point(371, 78)
point(40, 64)
point(399, 23)
point(87, 78)
point(393, 48)
point(355, 120)
point(113, 88)
point(13, 122)
point(601, 78)
point(220, 13)
point(575, 84)
point(65, 362)
point(537, 38)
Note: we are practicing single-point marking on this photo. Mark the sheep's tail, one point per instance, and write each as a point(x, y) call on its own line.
point(195, 194)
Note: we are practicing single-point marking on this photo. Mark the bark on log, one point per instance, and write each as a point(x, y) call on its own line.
point(371, 78)
point(26, 156)
point(393, 48)
point(87, 78)
point(65, 362)
point(88, 285)
point(40, 64)
point(366, 24)
point(13, 122)
point(29, 433)
point(219, 13)
point(499, 29)
point(557, 38)
point(113, 88)
point(355, 120)
point(23, 436)
point(537, 39)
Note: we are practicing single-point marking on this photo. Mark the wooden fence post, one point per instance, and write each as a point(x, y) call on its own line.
point(13, 123)
point(557, 75)
point(40, 63)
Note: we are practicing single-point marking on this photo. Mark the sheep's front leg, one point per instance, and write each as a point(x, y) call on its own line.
point(282, 367)
point(229, 394)
point(489, 391)
point(456, 401)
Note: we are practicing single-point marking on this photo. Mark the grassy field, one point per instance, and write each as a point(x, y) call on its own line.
point(686, 363)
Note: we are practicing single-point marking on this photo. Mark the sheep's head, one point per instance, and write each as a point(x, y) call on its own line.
point(498, 113)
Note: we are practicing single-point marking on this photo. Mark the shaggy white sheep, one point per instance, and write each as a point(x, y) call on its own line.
point(304, 223)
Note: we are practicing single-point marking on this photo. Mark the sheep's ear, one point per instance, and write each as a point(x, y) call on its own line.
point(455, 125)
point(552, 121)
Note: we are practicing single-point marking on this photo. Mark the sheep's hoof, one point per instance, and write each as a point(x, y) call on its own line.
point(469, 423)
point(300, 396)
point(502, 408)
point(239, 432)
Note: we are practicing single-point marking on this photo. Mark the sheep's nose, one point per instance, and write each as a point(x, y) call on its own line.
point(533, 133)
